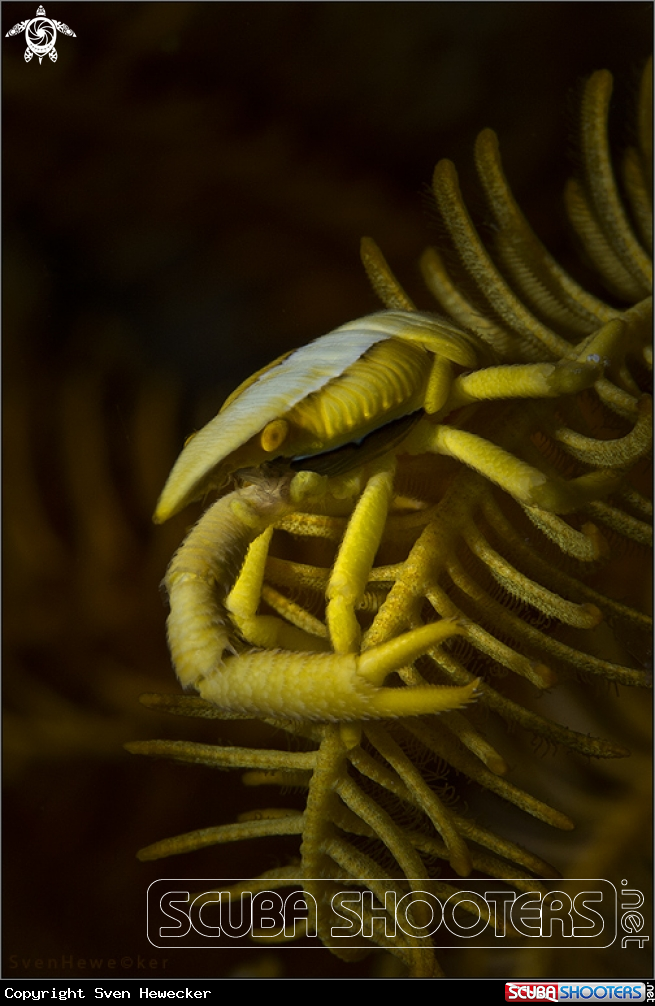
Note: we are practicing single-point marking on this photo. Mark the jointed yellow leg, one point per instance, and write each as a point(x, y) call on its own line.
point(325, 686)
point(524, 482)
point(542, 380)
point(265, 631)
point(353, 563)
point(343, 686)
point(524, 380)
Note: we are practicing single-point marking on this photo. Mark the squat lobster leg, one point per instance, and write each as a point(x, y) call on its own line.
point(522, 481)
point(340, 687)
point(353, 564)
point(541, 380)
point(298, 685)
point(264, 631)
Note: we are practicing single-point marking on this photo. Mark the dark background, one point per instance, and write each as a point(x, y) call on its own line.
point(184, 191)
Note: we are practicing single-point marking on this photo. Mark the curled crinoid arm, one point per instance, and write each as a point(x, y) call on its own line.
point(605, 203)
point(536, 274)
point(381, 277)
point(537, 338)
point(638, 164)
point(622, 452)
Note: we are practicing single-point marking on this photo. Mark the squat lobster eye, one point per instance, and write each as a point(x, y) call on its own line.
point(273, 435)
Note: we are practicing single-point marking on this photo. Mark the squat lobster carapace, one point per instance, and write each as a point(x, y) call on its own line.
point(345, 385)
point(326, 394)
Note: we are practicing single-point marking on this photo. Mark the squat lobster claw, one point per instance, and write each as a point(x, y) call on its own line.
point(293, 685)
point(343, 388)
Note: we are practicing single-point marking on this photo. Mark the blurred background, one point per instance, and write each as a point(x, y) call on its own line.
point(184, 194)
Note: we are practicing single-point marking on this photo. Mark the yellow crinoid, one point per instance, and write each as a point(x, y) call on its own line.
point(421, 501)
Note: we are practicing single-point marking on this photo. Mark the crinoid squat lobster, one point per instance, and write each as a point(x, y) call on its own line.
point(349, 385)
point(424, 496)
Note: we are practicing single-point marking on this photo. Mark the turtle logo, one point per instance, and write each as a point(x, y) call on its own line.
point(40, 35)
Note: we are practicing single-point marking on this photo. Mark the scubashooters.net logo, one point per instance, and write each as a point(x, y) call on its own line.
point(211, 913)
point(40, 35)
point(575, 992)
